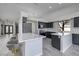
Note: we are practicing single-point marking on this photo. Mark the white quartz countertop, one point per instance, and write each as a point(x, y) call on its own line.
point(30, 36)
point(47, 29)
point(60, 34)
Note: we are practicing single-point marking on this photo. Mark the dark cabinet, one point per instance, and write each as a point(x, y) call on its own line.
point(42, 32)
point(41, 25)
point(49, 25)
point(48, 34)
point(45, 25)
point(55, 41)
point(76, 22)
point(75, 39)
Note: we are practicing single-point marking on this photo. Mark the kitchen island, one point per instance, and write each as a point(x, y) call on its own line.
point(61, 41)
point(31, 44)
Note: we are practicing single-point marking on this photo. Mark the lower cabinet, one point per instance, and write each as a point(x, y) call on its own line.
point(42, 34)
point(48, 34)
point(75, 39)
point(55, 41)
point(32, 47)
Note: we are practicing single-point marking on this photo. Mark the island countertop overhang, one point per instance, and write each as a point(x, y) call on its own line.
point(29, 36)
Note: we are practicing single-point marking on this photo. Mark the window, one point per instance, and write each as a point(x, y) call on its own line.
point(65, 25)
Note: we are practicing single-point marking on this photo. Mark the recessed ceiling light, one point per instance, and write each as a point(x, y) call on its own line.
point(59, 3)
point(50, 7)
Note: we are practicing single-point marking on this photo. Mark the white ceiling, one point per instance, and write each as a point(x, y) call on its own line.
point(39, 10)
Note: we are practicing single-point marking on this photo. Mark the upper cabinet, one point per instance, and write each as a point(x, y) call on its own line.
point(41, 25)
point(45, 25)
point(49, 25)
point(76, 22)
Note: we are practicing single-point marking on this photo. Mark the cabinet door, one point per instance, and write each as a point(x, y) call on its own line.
point(75, 39)
point(49, 25)
point(76, 22)
point(41, 25)
point(48, 34)
point(55, 42)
